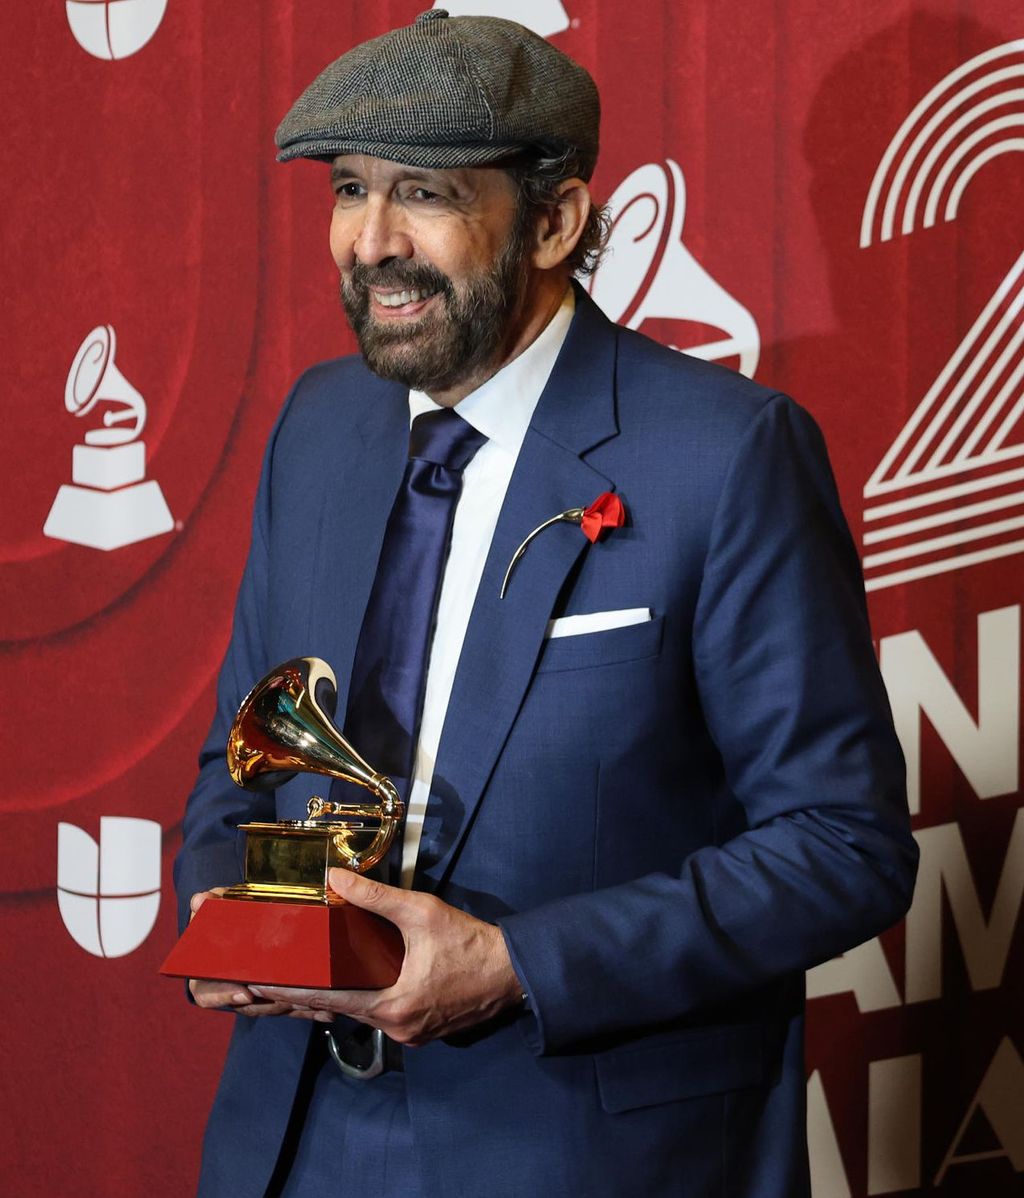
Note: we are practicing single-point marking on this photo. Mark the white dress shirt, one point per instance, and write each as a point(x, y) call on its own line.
point(501, 409)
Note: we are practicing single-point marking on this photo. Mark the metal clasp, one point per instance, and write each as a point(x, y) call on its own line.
point(364, 1074)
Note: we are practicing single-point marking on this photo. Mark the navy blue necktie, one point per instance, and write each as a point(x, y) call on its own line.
point(390, 666)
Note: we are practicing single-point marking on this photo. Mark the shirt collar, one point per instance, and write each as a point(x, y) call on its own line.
point(503, 407)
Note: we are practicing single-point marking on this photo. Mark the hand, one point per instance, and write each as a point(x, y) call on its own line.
point(456, 971)
point(209, 993)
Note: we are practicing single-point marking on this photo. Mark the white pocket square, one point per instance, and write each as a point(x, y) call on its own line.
point(597, 621)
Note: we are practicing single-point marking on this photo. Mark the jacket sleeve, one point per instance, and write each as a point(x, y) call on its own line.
point(792, 698)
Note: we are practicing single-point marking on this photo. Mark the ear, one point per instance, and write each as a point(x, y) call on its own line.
point(560, 227)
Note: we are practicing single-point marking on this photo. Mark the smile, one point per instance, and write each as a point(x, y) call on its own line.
point(399, 299)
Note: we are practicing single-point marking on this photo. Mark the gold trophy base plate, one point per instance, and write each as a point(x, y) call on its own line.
point(314, 946)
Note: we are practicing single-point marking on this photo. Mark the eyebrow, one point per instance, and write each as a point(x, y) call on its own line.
point(420, 176)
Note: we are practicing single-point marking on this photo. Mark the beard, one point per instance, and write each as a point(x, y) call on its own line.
point(462, 333)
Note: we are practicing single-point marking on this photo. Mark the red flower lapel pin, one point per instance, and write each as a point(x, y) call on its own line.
point(607, 511)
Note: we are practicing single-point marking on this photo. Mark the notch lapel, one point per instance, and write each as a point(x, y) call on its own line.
point(576, 412)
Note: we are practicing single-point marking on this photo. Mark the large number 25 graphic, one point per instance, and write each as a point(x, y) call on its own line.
point(949, 492)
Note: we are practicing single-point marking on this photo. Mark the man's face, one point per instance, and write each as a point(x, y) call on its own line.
point(433, 266)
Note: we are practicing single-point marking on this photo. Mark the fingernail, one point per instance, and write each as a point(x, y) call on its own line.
point(240, 997)
point(256, 990)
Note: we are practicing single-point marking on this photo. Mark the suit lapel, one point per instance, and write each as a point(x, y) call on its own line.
point(576, 412)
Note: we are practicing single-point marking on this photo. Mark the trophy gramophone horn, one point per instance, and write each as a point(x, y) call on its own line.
point(284, 727)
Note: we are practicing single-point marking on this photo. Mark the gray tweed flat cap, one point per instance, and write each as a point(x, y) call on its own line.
point(446, 92)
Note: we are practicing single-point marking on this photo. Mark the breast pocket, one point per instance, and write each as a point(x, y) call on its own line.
point(632, 643)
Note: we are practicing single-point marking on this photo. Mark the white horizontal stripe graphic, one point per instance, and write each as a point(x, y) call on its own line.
point(881, 510)
point(953, 538)
point(946, 517)
point(949, 471)
point(943, 565)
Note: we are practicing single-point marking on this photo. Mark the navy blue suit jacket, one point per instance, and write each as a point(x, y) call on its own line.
point(670, 821)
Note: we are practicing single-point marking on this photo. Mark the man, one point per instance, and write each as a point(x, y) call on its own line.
point(647, 788)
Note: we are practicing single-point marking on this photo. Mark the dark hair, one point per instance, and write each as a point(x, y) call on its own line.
point(537, 177)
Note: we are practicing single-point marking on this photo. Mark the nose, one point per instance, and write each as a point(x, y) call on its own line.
point(382, 234)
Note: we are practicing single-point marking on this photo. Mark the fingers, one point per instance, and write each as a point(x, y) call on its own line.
point(243, 1000)
point(288, 994)
point(197, 900)
point(209, 994)
point(314, 1016)
point(355, 1003)
point(401, 1018)
point(257, 1010)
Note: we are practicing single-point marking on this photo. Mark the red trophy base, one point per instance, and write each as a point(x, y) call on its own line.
point(311, 945)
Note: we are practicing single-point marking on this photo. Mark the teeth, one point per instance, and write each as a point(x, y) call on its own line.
point(398, 298)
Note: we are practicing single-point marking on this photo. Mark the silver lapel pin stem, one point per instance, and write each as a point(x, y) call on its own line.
point(574, 515)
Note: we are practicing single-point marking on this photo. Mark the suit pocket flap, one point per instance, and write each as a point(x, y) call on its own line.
point(667, 1068)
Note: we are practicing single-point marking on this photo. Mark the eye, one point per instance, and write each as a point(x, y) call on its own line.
point(424, 196)
point(348, 189)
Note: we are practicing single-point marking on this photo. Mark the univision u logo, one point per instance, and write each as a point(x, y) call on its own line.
point(113, 29)
point(109, 893)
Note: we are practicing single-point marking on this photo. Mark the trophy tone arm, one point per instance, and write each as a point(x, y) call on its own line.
point(389, 810)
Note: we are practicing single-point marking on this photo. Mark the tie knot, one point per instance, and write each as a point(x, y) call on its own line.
point(444, 438)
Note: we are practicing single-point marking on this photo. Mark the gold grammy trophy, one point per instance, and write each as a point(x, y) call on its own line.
point(284, 924)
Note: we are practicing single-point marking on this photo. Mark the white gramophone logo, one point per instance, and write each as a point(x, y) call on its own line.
point(114, 28)
point(948, 493)
point(649, 274)
point(544, 17)
point(109, 893)
point(108, 504)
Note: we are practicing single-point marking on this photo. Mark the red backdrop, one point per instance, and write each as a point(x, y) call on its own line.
point(831, 192)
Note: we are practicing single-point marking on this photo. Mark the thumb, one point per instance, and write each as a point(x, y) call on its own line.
point(389, 901)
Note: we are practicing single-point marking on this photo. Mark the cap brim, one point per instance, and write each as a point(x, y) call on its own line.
point(432, 157)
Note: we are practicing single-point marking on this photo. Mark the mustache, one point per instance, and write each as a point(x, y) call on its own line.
point(406, 276)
